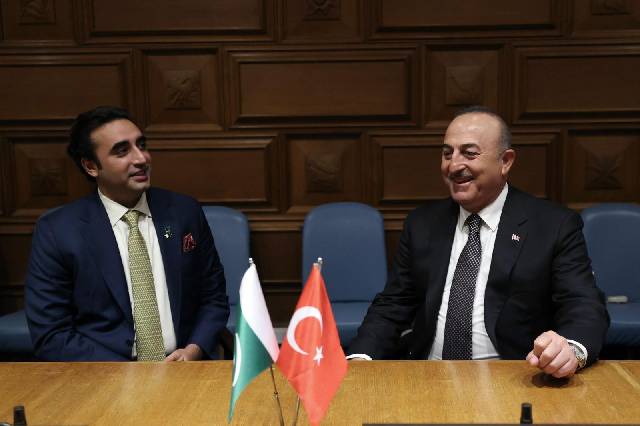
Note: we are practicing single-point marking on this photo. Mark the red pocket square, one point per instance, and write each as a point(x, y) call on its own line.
point(188, 243)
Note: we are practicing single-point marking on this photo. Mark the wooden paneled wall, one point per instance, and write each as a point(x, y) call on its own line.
point(276, 106)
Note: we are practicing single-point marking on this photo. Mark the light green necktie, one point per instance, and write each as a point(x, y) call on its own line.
point(149, 343)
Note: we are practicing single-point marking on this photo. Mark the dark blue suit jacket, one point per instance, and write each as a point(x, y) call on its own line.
point(76, 295)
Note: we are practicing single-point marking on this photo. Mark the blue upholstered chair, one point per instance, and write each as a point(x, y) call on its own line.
point(14, 331)
point(14, 334)
point(612, 232)
point(349, 237)
point(230, 229)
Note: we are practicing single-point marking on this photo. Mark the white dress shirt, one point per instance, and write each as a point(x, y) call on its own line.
point(120, 228)
point(482, 347)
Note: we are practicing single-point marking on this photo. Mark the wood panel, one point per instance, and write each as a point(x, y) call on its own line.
point(38, 22)
point(183, 89)
point(145, 21)
point(277, 250)
point(460, 18)
point(4, 154)
point(535, 169)
point(40, 175)
point(324, 168)
point(15, 246)
point(606, 18)
point(602, 166)
point(321, 21)
point(406, 169)
point(462, 75)
point(574, 84)
point(240, 171)
point(323, 86)
point(57, 85)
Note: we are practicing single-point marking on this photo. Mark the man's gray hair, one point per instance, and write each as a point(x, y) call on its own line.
point(505, 134)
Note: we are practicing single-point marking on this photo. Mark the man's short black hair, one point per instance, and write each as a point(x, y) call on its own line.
point(80, 144)
point(505, 134)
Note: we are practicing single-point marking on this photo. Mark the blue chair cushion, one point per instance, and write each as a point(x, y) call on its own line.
point(349, 316)
point(230, 229)
point(625, 324)
point(14, 333)
point(231, 322)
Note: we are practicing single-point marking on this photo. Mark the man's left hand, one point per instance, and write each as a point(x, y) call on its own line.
point(552, 354)
point(191, 353)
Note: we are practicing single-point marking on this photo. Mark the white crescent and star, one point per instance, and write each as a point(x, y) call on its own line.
point(299, 315)
point(237, 361)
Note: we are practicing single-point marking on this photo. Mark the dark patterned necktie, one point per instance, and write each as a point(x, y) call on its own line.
point(457, 329)
point(149, 342)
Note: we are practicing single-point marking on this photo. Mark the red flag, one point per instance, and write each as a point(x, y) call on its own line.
point(311, 357)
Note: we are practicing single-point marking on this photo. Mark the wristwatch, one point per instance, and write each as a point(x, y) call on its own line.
point(582, 360)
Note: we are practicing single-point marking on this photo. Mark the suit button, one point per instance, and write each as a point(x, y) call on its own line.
point(129, 343)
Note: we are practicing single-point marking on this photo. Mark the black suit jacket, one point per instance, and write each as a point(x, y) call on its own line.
point(542, 282)
point(76, 296)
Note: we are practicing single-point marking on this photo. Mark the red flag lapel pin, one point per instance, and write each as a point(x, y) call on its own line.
point(188, 243)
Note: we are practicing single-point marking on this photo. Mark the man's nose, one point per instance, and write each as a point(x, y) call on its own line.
point(457, 163)
point(139, 157)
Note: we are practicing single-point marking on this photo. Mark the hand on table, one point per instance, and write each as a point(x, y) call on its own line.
point(552, 354)
point(191, 353)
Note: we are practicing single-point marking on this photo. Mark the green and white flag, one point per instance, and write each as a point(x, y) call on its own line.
point(256, 346)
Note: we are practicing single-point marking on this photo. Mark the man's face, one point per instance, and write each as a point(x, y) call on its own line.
point(122, 152)
point(471, 166)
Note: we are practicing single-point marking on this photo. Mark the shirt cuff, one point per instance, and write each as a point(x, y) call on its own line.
point(365, 356)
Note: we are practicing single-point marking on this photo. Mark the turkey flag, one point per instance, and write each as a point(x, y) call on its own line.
point(311, 357)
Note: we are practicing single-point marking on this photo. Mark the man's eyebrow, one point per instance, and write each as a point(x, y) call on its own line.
point(141, 138)
point(470, 145)
point(116, 146)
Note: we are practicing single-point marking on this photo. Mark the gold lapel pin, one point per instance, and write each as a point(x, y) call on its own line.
point(167, 231)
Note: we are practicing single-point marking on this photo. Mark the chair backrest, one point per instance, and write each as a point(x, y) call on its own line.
point(612, 232)
point(230, 229)
point(349, 237)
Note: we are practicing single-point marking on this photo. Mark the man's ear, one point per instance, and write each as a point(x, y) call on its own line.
point(508, 157)
point(90, 167)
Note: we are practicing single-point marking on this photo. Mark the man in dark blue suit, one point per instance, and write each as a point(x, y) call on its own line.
point(129, 271)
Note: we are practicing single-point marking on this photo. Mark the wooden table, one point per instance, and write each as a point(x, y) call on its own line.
point(197, 393)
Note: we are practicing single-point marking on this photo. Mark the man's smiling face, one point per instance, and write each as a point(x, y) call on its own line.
point(472, 166)
point(123, 170)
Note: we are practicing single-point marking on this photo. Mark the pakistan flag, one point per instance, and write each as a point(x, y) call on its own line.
point(256, 347)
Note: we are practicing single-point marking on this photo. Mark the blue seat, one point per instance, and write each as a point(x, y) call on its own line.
point(14, 331)
point(349, 237)
point(230, 229)
point(14, 334)
point(612, 232)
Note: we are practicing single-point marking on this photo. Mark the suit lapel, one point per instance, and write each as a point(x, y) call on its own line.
point(508, 245)
point(102, 244)
point(440, 244)
point(171, 249)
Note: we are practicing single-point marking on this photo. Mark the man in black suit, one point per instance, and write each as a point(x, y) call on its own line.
point(491, 272)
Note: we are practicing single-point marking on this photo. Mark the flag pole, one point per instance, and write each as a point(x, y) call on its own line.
point(295, 418)
point(275, 394)
point(273, 380)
